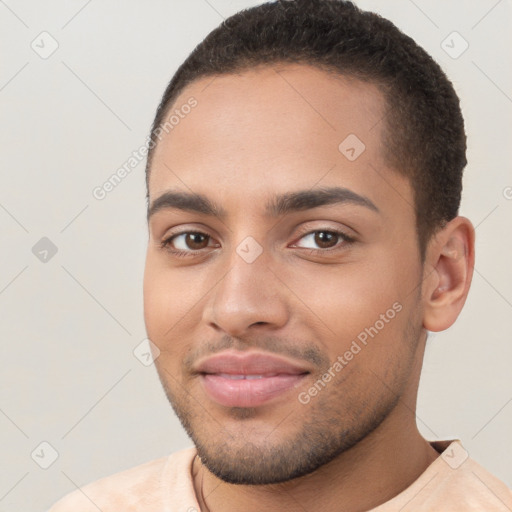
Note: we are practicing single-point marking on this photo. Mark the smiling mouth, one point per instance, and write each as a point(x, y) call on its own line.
point(246, 390)
point(248, 379)
point(242, 376)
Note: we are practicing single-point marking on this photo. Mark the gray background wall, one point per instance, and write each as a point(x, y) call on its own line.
point(69, 325)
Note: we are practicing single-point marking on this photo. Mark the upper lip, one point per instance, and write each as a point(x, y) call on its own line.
point(248, 363)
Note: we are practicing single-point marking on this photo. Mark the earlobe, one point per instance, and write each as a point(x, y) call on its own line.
point(450, 258)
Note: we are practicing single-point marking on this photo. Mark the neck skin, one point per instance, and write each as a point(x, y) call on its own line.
point(378, 468)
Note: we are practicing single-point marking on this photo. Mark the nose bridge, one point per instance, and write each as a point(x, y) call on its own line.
point(246, 281)
point(248, 293)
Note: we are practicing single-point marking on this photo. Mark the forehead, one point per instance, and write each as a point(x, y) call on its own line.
point(272, 129)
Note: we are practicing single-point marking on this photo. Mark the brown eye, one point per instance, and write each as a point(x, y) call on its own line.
point(322, 239)
point(326, 239)
point(188, 241)
point(196, 241)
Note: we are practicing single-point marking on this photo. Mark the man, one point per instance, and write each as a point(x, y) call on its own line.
point(304, 181)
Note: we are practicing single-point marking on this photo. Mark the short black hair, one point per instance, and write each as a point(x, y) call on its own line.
point(423, 131)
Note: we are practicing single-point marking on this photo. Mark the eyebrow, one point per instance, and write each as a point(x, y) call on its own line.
point(278, 205)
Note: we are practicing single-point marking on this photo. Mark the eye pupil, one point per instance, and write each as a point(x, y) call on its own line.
point(324, 239)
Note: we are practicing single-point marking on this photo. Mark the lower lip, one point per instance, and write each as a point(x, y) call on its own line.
point(248, 392)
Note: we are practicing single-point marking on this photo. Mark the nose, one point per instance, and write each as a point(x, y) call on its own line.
point(248, 296)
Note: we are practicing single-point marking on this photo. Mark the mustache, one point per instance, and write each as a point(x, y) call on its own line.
point(292, 349)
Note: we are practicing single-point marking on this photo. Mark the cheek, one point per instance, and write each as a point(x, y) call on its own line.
point(160, 317)
point(171, 305)
point(358, 302)
point(154, 297)
point(346, 297)
point(162, 304)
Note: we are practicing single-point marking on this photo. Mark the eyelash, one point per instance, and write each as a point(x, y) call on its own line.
point(347, 240)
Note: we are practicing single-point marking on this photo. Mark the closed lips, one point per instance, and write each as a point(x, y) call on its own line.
point(250, 364)
point(238, 376)
point(232, 379)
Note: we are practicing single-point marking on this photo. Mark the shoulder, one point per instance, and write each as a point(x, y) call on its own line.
point(461, 481)
point(453, 481)
point(128, 490)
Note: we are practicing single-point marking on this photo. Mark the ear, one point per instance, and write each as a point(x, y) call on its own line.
point(448, 270)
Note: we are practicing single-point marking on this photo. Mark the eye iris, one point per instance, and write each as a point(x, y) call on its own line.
point(194, 239)
point(324, 239)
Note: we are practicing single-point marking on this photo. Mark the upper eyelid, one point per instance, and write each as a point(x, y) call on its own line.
point(301, 234)
point(303, 231)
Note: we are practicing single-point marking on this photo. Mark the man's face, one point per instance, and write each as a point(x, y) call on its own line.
point(252, 309)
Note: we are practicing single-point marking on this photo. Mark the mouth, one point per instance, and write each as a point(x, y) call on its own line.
point(249, 379)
